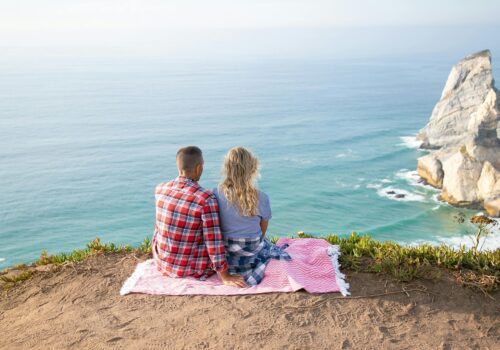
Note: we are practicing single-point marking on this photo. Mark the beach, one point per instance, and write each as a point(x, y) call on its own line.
point(78, 306)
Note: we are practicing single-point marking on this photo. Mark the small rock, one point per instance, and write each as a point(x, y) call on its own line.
point(346, 344)
point(430, 169)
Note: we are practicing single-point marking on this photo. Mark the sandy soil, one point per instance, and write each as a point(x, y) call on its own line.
point(79, 307)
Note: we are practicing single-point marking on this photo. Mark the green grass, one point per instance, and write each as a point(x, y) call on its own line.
point(359, 253)
point(94, 247)
point(405, 263)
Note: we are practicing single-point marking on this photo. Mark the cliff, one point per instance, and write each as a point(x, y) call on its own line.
point(463, 137)
point(72, 301)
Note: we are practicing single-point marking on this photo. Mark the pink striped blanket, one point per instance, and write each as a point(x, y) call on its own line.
point(314, 267)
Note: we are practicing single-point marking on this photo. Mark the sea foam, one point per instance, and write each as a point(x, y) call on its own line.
point(348, 153)
point(412, 177)
point(408, 196)
point(410, 142)
point(490, 242)
point(298, 160)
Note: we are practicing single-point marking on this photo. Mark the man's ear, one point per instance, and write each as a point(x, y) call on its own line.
point(199, 169)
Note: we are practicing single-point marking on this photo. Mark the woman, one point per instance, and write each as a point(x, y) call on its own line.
point(244, 214)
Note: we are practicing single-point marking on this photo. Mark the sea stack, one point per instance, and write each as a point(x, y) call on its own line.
point(462, 137)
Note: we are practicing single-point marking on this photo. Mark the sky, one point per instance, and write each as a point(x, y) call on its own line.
point(245, 27)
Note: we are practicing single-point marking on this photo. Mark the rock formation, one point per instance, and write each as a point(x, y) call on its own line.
point(463, 137)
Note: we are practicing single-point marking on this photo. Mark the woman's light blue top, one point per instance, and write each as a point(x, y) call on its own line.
point(234, 225)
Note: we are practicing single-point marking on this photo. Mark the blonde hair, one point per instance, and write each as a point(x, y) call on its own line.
point(240, 170)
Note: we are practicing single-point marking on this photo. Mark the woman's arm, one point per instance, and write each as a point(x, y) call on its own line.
point(263, 226)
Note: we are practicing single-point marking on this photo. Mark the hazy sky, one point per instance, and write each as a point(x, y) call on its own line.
point(241, 26)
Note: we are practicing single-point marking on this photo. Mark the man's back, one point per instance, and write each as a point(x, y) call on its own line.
point(187, 239)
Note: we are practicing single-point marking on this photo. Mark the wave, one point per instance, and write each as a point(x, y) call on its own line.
point(412, 177)
point(397, 194)
point(490, 242)
point(346, 140)
point(348, 153)
point(410, 142)
point(435, 198)
point(407, 195)
point(361, 137)
point(2, 259)
point(414, 180)
point(400, 222)
point(384, 156)
point(341, 184)
point(346, 185)
point(299, 161)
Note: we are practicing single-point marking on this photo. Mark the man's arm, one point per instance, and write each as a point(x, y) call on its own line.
point(215, 246)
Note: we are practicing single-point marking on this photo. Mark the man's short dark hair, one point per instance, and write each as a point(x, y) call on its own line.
point(189, 157)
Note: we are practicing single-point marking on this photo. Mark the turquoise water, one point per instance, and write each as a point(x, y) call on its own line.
point(82, 145)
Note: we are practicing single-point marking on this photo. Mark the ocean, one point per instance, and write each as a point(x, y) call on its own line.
point(83, 144)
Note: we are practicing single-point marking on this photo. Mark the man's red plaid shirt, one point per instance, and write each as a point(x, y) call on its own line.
point(187, 239)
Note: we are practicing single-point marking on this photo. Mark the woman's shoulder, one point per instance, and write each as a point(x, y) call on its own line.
point(264, 206)
point(215, 191)
point(218, 194)
point(263, 196)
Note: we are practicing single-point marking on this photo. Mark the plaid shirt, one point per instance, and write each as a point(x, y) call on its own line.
point(187, 239)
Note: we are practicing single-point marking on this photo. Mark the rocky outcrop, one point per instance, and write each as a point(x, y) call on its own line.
point(488, 184)
point(464, 104)
point(463, 137)
point(461, 190)
point(430, 168)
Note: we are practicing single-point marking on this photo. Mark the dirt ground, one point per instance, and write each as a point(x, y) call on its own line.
point(79, 306)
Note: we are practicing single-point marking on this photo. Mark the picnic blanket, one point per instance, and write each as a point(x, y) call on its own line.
point(314, 267)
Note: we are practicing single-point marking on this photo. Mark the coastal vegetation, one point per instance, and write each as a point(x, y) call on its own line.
point(476, 268)
point(471, 267)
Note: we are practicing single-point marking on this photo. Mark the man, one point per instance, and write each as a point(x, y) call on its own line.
point(188, 239)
